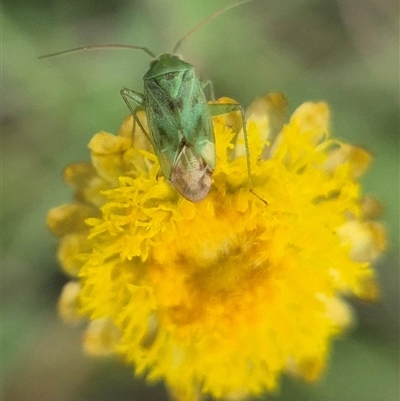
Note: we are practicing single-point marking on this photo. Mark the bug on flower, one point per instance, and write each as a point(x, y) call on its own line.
point(178, 116)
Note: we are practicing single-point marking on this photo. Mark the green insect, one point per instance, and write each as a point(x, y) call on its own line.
point(179, 116)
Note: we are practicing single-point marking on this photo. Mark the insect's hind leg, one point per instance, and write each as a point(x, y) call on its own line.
point(207, 84)
point(217, 109)
point(138, 98)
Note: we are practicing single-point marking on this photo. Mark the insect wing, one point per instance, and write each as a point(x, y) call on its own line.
point(164, 125)
point(196, 119)
point(191, 175)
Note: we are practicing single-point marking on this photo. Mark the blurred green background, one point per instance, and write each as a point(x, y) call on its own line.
point(345, 52)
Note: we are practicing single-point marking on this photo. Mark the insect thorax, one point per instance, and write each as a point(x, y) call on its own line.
point(169, 71)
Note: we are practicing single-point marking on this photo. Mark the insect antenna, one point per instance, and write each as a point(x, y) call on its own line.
point(206, 21)
point(99, 47)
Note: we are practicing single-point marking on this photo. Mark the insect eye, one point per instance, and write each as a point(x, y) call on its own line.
point(168, 56)
point(177, 56)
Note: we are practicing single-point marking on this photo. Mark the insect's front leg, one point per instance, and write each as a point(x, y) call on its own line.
point(217, 109)
point(138, 98)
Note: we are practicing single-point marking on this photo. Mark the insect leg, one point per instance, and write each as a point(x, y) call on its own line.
point(210, 88)
point(138, 98)
point(218, 109)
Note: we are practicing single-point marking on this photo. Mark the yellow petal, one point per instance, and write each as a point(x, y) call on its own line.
point(101, 337)
point(66, 219)
point(70, 251)
point(367, 239)
point(68, 303)
point(107, 155)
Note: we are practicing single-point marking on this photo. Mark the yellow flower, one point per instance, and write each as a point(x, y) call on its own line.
point(223, 296)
